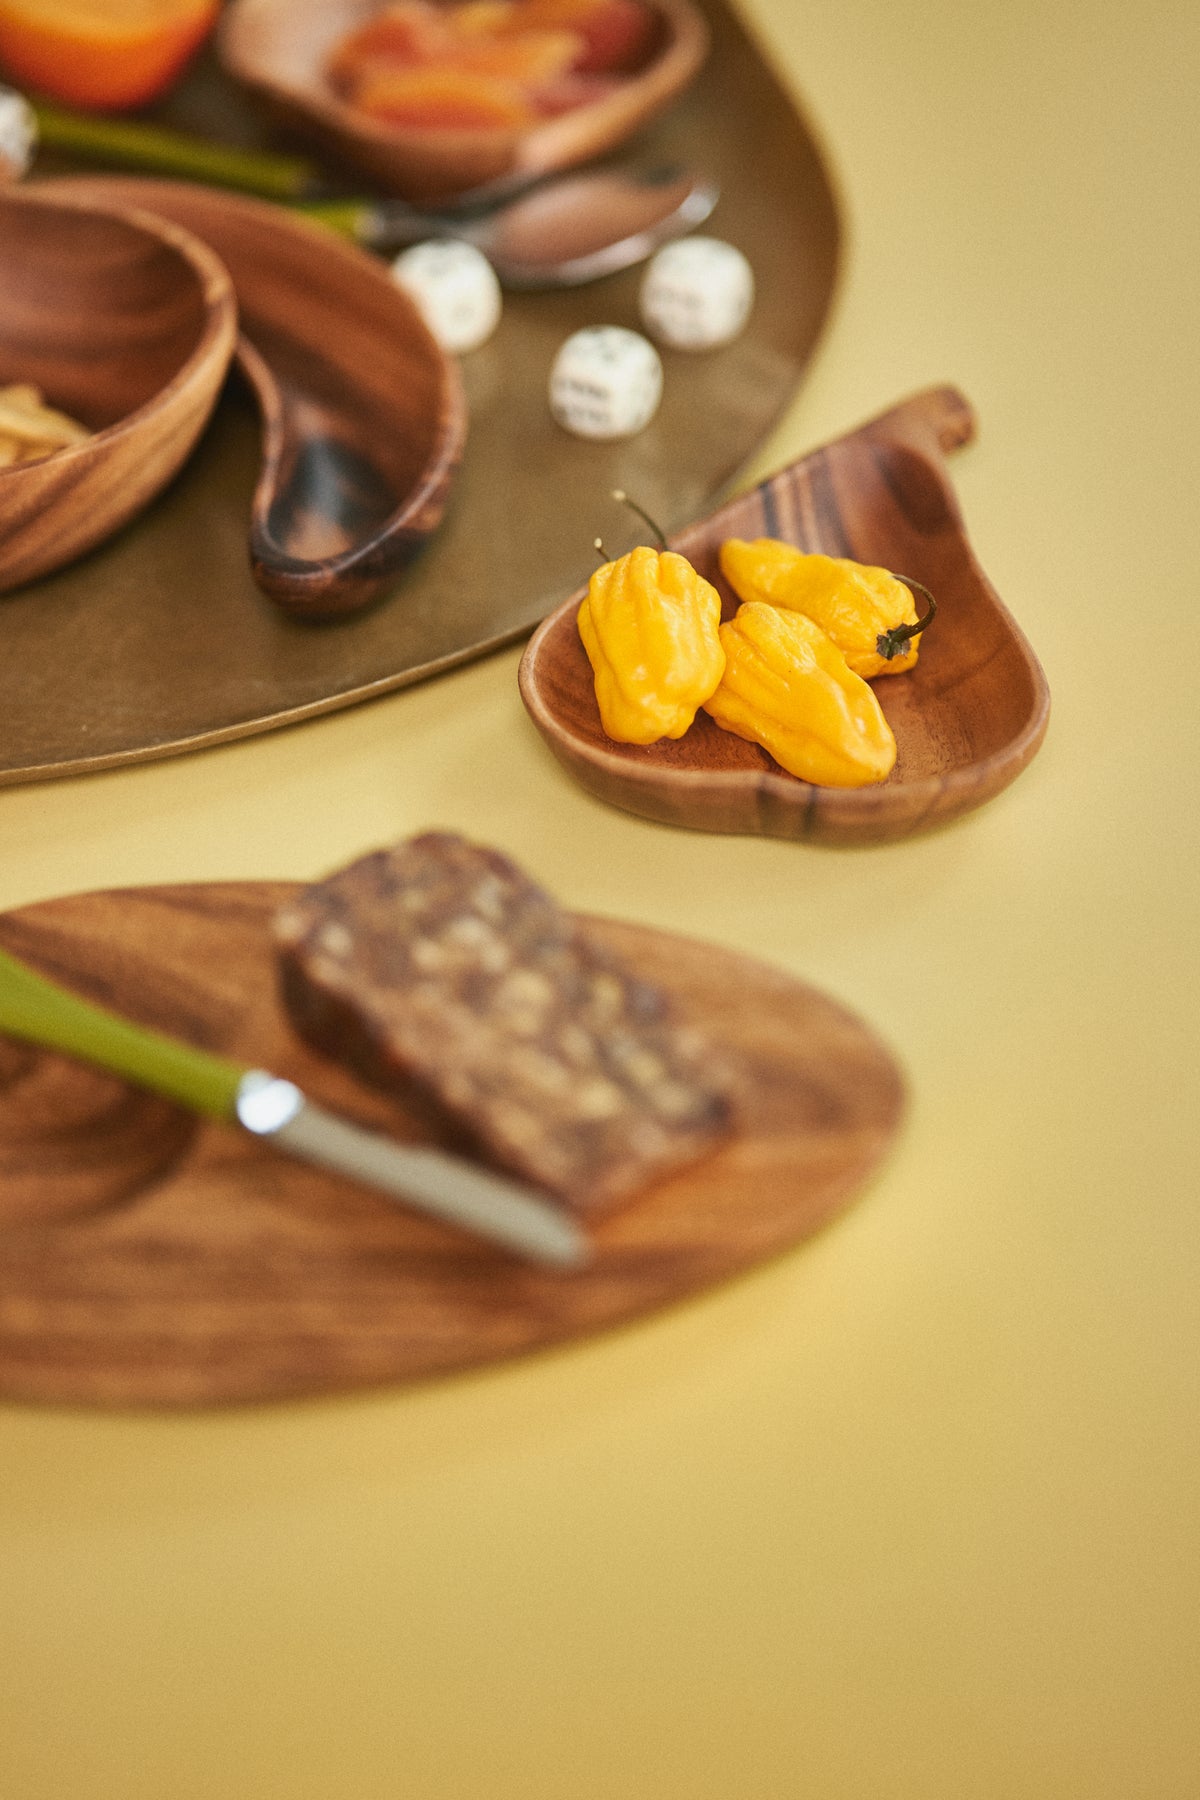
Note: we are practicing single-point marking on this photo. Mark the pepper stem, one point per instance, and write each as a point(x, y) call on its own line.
point(890, 643)
point(656, 528)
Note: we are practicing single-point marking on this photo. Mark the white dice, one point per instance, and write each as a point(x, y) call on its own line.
point(18, 134)
point(606, 382)
point(696, 293)
point(456, 291)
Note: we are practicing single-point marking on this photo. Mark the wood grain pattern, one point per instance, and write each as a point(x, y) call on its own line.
point(278, 49)
point(363, 413)
point(127, 324)
point(147, 1258)
point(967, 719)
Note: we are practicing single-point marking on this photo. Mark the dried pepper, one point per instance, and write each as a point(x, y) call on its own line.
point(868, 612)
point(649, 625)
point(788, 687)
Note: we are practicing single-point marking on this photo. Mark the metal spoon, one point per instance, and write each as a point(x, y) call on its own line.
point(560, 233)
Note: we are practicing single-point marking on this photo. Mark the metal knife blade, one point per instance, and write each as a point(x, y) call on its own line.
point(446, 1186)
point(431, 1181)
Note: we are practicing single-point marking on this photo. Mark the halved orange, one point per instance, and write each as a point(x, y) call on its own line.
point(102, 55)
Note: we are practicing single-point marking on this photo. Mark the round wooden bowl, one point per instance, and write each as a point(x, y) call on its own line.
point(125, 322)
point(279, 49)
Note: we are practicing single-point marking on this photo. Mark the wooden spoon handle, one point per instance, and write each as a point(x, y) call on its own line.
point(41, 1012)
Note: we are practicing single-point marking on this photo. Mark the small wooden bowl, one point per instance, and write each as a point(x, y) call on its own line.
point(125, 322)
point(967, 718)
point(279, 48)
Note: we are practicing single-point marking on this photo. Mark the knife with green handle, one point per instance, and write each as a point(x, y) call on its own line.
point(431, 1181)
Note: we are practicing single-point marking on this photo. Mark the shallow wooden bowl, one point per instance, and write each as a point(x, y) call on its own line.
point(967, 719)
point(127, 323)
point(278, 48)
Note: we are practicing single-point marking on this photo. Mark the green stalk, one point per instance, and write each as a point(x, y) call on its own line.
point(137, 145)
point(891, 643)
point(349, 218)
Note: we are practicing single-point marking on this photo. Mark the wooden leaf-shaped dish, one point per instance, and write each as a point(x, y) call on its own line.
point(363, 414)
point(279, 49)
point(967, 719)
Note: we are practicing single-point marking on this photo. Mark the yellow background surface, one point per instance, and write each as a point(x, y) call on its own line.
point(911, 1512)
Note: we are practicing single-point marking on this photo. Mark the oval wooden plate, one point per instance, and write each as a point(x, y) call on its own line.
point(363, 415)
point(151, 1259)
point(278, 49)
point(967, 719)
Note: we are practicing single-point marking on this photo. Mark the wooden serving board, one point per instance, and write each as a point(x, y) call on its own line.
point(148, 1258)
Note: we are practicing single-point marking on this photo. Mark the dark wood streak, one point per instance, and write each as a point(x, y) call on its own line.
point(148, 1259)
point(967, 719)
point(831, 532)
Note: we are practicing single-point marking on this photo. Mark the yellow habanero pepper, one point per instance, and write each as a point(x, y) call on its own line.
point(868, 612)
point(788, 687)
point(649, 626)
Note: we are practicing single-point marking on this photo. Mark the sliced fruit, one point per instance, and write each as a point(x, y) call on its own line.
point(444, 99)
point(101, 55)
point(411, 32)
point(534, 58)
point(618, 35)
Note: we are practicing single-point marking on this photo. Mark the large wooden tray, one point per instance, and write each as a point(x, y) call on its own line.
point(150, 1259)
point(160, 642)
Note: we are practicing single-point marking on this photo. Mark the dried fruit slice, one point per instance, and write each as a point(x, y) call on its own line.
point(446, 99)
point(412, 32)
point(617, 35)
point(531, 60)
point(105, 55)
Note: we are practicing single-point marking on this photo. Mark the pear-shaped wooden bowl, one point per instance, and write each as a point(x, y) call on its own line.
point(127, 323)
point(279, 49)
point(363, 413)
point(967, 719)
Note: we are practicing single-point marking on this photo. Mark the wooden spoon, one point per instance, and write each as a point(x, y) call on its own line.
point(363, 414)
point(967, 718)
